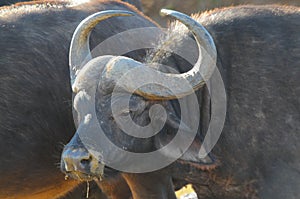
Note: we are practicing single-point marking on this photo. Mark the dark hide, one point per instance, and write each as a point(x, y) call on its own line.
point(35, 95)
point(136, 3)
point(259, 58)
point(81, 192)
point(9, 2)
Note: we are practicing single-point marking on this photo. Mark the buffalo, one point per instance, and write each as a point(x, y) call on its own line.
point(257, 51)
point(36, 111)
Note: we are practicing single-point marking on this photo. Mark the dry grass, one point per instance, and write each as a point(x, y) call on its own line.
point(184, 191)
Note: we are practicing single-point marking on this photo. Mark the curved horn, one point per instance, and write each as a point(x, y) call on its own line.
point(196, 77)
point(79, 49)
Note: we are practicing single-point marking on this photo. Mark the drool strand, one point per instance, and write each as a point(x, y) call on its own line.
point(87, 189)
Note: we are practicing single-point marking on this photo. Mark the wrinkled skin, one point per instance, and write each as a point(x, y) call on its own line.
point(36, 112)
point(258, 151)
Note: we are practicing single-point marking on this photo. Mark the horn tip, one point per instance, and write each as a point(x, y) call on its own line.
point(165, 12)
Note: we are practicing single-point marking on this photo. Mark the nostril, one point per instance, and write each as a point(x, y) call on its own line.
point(86, 161)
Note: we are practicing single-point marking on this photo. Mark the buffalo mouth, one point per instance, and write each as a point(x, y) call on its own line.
point(93, 172)
point(89, 176)
point(81, 176)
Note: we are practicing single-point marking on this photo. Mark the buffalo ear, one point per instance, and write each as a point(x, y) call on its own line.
point(191, 156)
point(136, 3)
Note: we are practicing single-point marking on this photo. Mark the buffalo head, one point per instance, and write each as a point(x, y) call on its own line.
point(101, 91)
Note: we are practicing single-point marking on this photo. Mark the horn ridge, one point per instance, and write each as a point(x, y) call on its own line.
point(79, 49)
